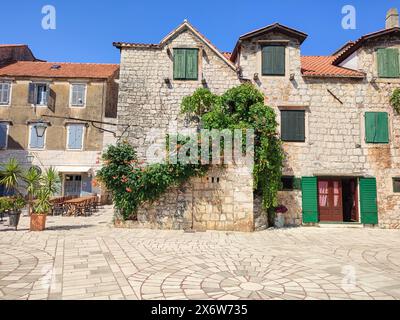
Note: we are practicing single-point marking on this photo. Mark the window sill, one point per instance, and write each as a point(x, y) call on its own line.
point(387, 80)
point(77, 107)
point(295, 143)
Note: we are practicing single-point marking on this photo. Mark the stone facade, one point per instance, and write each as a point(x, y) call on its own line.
point(335, 144)
point(335, 130)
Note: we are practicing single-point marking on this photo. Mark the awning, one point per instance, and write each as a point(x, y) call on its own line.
point(72, 169)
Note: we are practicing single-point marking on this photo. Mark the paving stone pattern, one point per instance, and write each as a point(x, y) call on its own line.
point(86, 258)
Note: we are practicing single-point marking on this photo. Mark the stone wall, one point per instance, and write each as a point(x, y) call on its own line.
point(221, 200)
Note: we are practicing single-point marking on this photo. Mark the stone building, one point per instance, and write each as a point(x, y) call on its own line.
point(336, 123)
point(60, 98)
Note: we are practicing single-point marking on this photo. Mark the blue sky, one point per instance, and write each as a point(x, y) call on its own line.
point(86, 29)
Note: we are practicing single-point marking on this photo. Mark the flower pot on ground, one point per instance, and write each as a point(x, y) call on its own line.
point(5, 205)
point(42, 205)
point(40, 209)
point(280, 216)
point(14, 212)
point(38, 222)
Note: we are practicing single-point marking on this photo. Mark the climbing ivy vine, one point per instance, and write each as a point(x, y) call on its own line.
point(395, 100)
point(243, 107)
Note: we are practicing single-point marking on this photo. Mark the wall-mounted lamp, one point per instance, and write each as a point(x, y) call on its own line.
point(256, 76)
point(167, 81)
point(40, 128)
point(292, 75)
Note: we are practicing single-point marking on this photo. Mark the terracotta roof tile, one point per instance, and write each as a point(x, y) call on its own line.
point(358, 43)
point(227, 55)
point(322, 66)
point(65, 70)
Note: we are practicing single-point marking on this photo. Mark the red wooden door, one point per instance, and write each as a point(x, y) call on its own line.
point(330, 200)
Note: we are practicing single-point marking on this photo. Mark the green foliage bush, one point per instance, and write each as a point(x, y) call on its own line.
point(132, 183)
point(395, 100)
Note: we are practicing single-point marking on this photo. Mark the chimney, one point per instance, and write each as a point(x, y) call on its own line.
point(392, 18)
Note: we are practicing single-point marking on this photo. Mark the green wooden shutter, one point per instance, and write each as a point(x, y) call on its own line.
point(192, 57)
point(382, 131)
point(388, 63)
point(376, 127)
point(285, 126)
point(370, 127)
point(309, 187)
point(300, 125)
point(179, 64)
point(273, 60)
point(382, 64)
point(267, 62)
point(393, 63)
point(368, 201)
point(279, 60)
point(293, 125)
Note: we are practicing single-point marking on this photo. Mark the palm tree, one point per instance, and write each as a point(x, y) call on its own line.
point(51, 181)
point(32, 179)
point(11, 175)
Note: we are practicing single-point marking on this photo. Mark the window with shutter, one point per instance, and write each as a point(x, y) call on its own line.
point(3, 135)
point(75, 137)
point(396, 185)
point(5, 88)
point(78, 95)
point(376, 127)
point(388, 63)
point(273, 60)
point(36, 142)
point(293, 125)
point(38, 94)
point(186, 64)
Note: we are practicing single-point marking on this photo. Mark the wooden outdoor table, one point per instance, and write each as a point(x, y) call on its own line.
point(72, 205)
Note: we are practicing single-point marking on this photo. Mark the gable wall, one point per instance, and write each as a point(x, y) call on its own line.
point(147, 103)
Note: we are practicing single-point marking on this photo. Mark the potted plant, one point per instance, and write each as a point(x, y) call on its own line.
point(40, 209)
point(42, 206)
point(4, 207)
point(11, 175)
point(14, 211)
point(32, 179)
point(280, 216)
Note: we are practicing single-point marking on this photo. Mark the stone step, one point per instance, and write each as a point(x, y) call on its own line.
point(341, 225)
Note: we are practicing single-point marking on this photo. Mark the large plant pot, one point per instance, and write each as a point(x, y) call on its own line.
point(279, 220)
point(38, 222)
point(14, 217)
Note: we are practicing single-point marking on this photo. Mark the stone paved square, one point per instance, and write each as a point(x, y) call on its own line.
point(87, 258)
